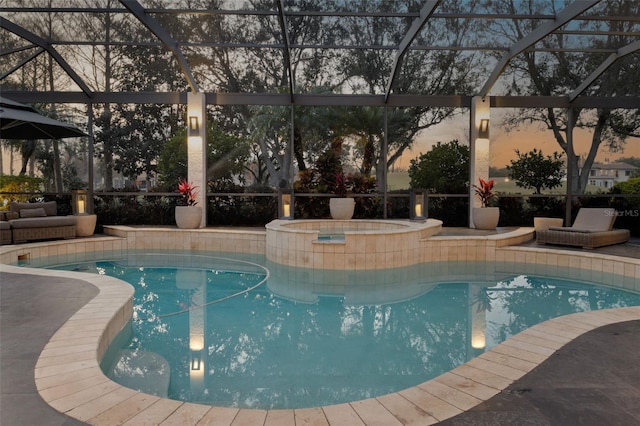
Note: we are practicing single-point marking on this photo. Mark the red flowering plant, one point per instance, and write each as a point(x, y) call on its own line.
point(341, 185)
point(485, 192)
point(188, 192)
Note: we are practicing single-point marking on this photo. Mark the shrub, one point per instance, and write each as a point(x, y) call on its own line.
point(15, 185)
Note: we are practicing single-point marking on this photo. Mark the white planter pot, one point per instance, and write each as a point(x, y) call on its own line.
point(486, 217)
point(188, 217)
point(85, 224)
point(342, 208)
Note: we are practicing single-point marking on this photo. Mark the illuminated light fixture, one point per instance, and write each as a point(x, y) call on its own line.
point(194, 126)
point(196, 360)
point(483, 130)
point(418, 204)
point(478, 341)
point(285, 204)
point(79, 202)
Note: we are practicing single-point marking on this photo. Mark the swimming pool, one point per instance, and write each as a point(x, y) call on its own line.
point(236, 334)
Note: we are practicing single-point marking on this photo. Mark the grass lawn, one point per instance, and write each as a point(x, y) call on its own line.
point(398, 180)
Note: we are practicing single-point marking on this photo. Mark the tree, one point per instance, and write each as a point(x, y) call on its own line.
point(557, 72)
point(40, 73)
point(532, 170)
point(443, 170)
point(422, 71)
point(104, 58)
point(144, 128)
point(226, 157)
point(358, 71)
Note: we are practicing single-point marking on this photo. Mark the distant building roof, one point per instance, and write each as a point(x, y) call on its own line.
point(613, 166)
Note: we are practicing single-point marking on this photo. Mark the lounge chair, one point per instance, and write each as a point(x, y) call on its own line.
point(592, 228)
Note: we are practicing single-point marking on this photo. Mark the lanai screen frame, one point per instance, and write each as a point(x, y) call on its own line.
point(281, 10)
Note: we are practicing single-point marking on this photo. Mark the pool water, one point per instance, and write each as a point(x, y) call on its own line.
point(235, 335)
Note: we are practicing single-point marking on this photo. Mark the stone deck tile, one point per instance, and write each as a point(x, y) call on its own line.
point(310, 417)
point(405, 411)
point(343, 415)
point(373, 413)
point(187, 414)
point(125, 410)
point(218, 416)
point(280, 418)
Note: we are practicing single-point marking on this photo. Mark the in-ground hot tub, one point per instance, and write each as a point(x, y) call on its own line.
point(348, 244)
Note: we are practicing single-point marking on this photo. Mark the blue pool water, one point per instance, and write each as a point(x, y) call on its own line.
point(251, 334)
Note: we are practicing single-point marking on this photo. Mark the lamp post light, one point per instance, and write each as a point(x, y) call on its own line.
point(285, 204)
point(418, 204)
point(85, 220)
point(79, 202)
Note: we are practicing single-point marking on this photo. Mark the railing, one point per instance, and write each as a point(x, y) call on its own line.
point(259, 208)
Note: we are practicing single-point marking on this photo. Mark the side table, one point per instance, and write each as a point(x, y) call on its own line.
point(543, 223)
point(85, 224)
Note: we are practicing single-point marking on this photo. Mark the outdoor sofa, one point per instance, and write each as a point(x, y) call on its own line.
point(35, 221)
point(5, 230)
point(592, 228)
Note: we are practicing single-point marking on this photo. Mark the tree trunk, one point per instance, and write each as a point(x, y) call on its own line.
point(596, 140)
point(57, 170)
point(27, 150)
point(298, 149)
point(108, 167)
point(369, 156)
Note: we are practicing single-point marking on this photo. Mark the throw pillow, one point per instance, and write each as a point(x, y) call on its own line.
point(39, 212)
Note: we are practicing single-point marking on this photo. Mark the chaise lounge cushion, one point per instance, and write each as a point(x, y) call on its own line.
point(592, 228)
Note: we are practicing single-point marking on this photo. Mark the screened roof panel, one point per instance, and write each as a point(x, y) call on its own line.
point(374, 47)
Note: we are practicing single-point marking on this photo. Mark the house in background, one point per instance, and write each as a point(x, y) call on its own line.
point(605, 175)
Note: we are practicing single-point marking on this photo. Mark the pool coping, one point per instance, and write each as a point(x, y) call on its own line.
point(68, 376)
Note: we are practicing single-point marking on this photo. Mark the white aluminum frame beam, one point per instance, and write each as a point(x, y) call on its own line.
point(565, 15)
point(287, 46)
point(37, 40)
point(622, 52)
point(425, 13)
point(152, 25)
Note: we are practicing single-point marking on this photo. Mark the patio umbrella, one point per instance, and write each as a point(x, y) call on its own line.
point(19, 121)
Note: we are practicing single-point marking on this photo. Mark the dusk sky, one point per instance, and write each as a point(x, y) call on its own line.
point(503, 144)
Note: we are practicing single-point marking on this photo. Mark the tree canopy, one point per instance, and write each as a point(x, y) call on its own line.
point(532, 170)
point(443, 170)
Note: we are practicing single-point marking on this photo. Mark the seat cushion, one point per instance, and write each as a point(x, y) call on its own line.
point(595, 219)
point(43, 222)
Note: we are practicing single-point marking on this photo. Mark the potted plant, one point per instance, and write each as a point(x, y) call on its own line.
point(485, 217)
point(341, 207)
point(188, 213)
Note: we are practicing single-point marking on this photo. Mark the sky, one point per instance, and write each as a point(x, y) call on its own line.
point(503, 144)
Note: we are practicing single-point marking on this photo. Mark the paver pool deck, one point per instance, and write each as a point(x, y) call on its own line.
point(591, 380)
